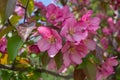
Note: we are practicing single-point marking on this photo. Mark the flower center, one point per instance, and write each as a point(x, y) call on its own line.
point(72, 49)
point(71, 31)
point(52, 17)
point(52, 40)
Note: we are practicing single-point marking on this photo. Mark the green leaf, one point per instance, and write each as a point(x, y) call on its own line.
point(6, 9)
point(30, 7)
point(90, 71)
point(13, 46)
point(6, 75)
point(14, 19)
point(79, 74)
point(45, 59)
point(6, 30)
point(59, 60)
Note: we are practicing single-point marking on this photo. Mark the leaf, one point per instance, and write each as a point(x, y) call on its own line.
point(90, 71)
point(30, 7)
point(6, 30)
point(6, 75)
point(13, 46)
point(79, 74)
point(59, 60)
point(6, 9)
point(15, 19)
point(45, 59)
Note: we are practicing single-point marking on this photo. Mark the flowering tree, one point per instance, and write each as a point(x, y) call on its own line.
point(68, 39)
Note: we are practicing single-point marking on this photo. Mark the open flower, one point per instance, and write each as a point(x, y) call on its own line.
point(91, 22)
point(73, 54)
point(106, 68)
point(50, 41)
point(57, 15)
point(73, 31)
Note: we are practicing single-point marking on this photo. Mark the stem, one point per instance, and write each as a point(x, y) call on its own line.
point(38, 70)
point(25, 16)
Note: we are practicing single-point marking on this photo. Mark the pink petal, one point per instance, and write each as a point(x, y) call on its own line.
point(76, 58)
point(52, 51)
point(43, 44)
point(78, 36)
point(66, 59)
point(44, 31)
point(65, 47)
point(91, 45)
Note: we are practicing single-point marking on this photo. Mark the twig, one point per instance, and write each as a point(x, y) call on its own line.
point(38, 70)
point(26, 10)
point(20, 6)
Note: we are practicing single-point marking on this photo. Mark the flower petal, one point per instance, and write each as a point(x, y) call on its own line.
point(43, 44)
point(52, 51)
point(76, 58)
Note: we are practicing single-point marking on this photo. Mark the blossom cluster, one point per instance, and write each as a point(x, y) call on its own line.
point(72, 36)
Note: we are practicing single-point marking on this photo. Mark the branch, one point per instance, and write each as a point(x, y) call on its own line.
point(38, 70)
point(26, 10)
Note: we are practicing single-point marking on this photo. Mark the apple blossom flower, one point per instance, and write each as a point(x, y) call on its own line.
point(106, 68)
point(91, 22)
point(104, 42)
point(50, 41)
point(73, 31)
point(3, 45)
point(57, 15)
point(73, 54)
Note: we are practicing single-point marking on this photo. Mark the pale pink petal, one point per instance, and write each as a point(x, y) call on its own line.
point(78, 36)
point(51, 65)
point(43, 44)
point(91, 45)
point(76, 58)
point(52, 51)
point(66, 59)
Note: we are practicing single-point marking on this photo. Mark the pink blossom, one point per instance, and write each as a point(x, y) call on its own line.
point(92, 22)
point(91, 45)
point(52, 66)
point(104, 41)
point(73, 54)
point(3, 45)
point(57, 15)
point(106, 31)
point(73, 31)
point(106, 68)
point(19, 11)
point(34, 49)
point(50, 41)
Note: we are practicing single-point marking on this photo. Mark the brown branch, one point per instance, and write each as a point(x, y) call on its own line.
point(25, 16)
point(38, 70)
point(20, 6)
